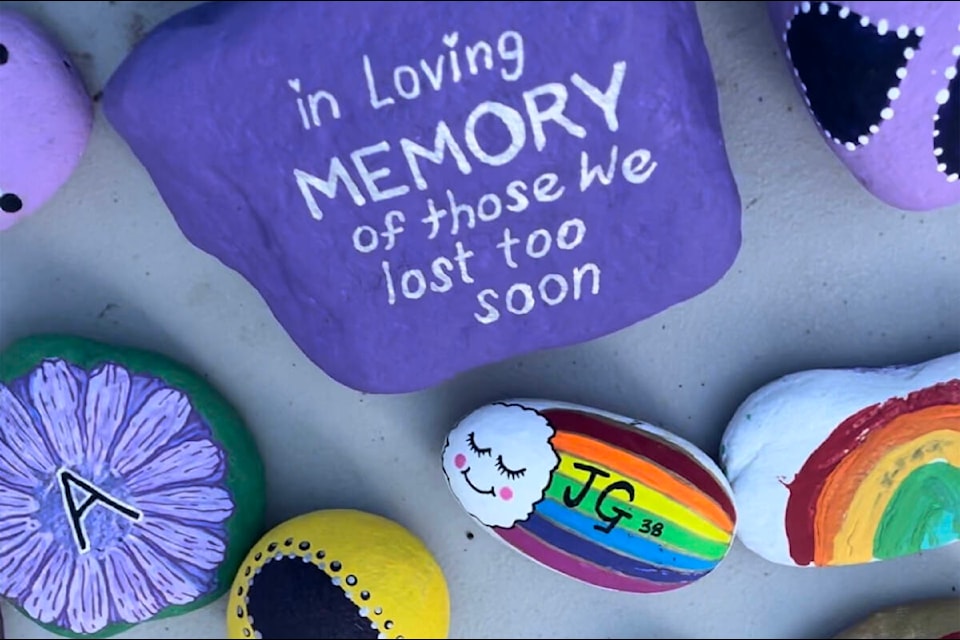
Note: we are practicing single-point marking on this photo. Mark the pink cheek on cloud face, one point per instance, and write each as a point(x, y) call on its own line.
point(459, 460)
point(506, 493)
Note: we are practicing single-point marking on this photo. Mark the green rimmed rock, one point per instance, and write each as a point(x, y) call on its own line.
point(130, 488)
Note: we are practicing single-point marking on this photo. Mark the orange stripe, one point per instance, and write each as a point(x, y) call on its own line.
point(841, 486)
point(644, 472)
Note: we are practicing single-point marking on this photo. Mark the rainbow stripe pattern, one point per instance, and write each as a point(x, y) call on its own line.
point(885, 483)
point(626, 509)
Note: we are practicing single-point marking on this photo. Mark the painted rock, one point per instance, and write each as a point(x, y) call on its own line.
point(611, 501)
point(129, 488)
point(47, 116)
point(339, 574)
point(881, 81)
point(930, 619)
point(848, 466)
point(373, 169)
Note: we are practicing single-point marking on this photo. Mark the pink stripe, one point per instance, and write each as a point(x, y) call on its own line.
point(556, 559)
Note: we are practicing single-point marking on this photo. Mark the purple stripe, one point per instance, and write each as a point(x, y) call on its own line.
point(538, 550)
point(589, 550)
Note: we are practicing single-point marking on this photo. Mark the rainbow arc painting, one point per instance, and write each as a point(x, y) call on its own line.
point(859, 465)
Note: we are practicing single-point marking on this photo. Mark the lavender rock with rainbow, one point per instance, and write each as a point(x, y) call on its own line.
point(848, 466)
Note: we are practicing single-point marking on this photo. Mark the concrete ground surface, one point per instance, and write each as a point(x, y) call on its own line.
point(827, 276)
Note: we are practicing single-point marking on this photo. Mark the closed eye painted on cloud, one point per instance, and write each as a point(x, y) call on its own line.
point(850, 67)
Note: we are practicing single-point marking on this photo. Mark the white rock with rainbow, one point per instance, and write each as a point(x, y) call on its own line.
point(848, 466)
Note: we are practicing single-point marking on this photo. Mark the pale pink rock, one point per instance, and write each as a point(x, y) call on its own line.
point(46, 116)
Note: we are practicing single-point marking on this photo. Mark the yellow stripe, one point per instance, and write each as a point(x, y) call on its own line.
point(854, 542)
point(647, 498)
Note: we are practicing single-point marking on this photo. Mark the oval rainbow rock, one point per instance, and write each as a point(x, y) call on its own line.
point(611, 501)
point(849, 466)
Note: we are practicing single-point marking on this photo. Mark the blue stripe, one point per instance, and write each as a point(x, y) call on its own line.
point(589, 551)
point(621, 540)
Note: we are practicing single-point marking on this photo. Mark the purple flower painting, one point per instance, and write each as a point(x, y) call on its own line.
point(112, 495)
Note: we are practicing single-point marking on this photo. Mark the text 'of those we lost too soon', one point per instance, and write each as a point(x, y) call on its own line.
point(538, 114)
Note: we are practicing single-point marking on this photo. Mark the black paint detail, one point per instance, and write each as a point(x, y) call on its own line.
point(294, 599)
point(4, 54)
point(10, 203)
point(573, 501)
point(847, 69)
point(948, 124)
point(75, 513)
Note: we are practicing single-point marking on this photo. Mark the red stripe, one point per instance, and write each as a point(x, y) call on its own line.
point(649, 446)
point(808, 483)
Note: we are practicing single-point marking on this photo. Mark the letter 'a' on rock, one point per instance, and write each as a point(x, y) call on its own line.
point(417, 189)
point(129, 488)
point(939, 618)
point(614, 502)
point(881, 81)
point(848, 466)
point(339, 573)
point(46, 116)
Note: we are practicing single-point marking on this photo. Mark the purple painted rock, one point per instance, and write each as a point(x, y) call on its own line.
point(417, 189)
point(129, 488)
point(46, 113)
point(881, 80)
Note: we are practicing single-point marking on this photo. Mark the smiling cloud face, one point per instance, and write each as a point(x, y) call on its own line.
point(498, 461)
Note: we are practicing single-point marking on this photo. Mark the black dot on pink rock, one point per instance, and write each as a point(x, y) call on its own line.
point(10, 202)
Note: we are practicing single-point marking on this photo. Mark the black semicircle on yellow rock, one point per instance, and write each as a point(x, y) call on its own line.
point(290, 597)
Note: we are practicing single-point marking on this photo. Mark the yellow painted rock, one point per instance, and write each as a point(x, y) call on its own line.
point(339, 574)
point(930, 619)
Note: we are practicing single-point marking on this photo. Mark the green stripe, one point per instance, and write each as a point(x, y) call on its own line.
point(674, 536)
point(923, 513)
